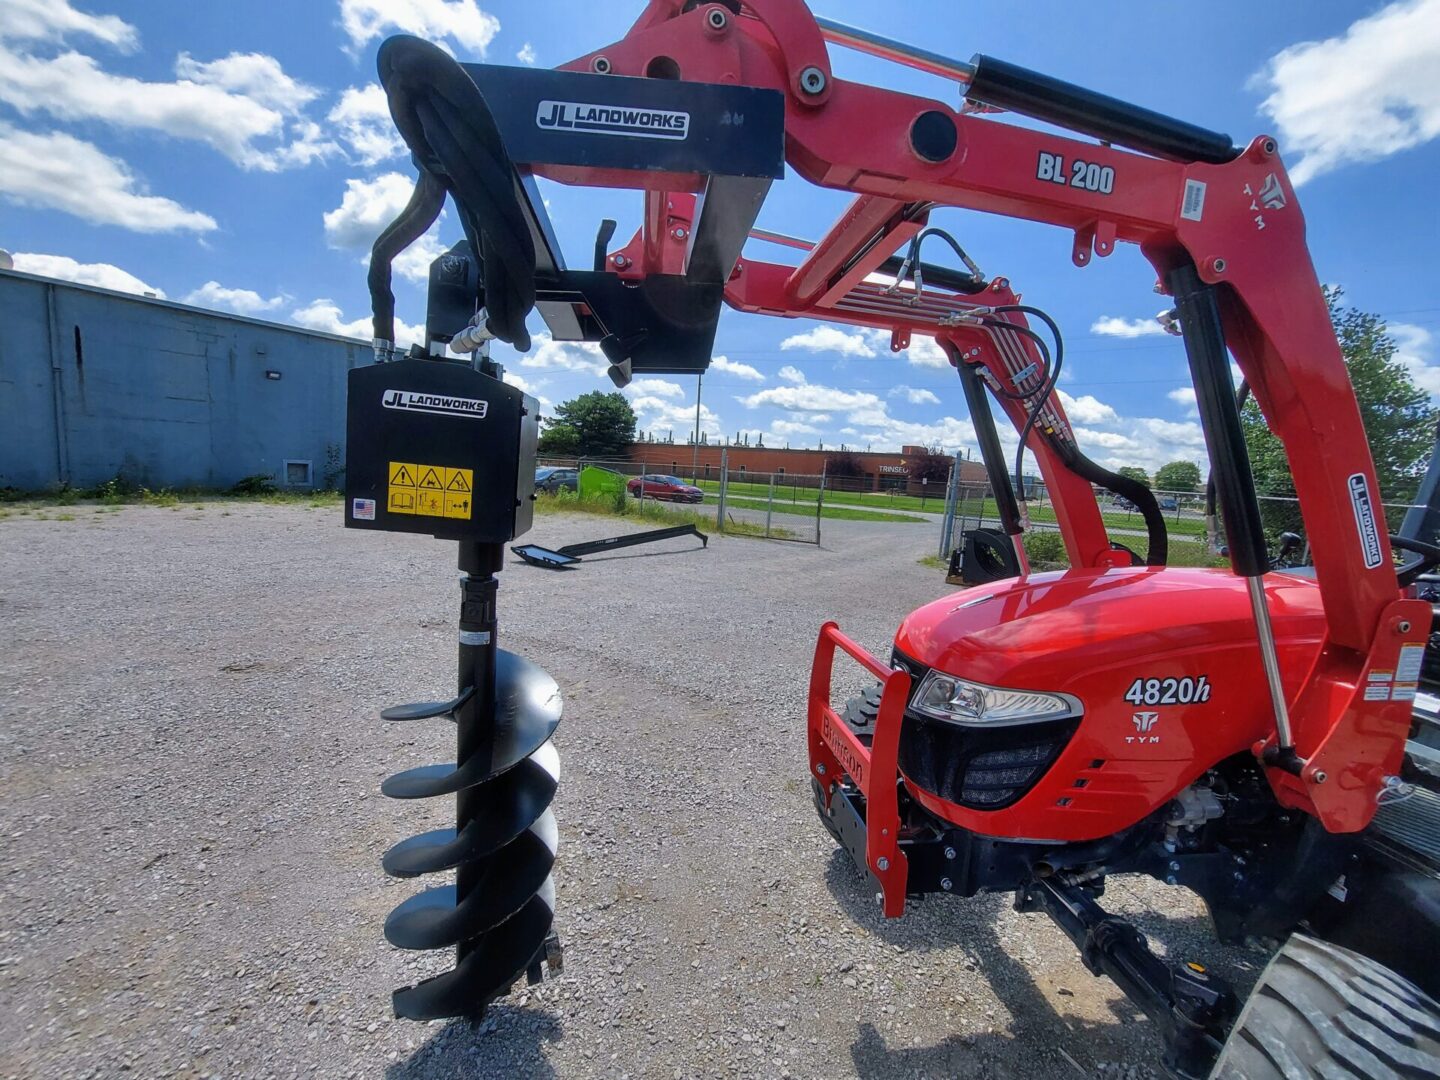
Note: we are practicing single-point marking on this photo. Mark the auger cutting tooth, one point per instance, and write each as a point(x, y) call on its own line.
point(489, 969)
point(502, 809)
point(425, 710)
point(433, 920)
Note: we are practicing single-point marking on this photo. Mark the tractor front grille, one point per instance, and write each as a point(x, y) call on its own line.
point(973, 767)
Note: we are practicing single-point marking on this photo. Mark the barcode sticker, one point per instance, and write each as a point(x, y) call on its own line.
point(1192, 207)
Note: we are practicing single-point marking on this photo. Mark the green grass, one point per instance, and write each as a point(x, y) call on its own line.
point(619, 505)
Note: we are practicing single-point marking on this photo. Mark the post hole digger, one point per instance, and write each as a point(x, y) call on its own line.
point(1239, 732)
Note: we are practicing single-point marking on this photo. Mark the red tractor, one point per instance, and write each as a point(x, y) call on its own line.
point(1247, 733)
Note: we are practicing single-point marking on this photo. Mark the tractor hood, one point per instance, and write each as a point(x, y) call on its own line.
point(1057, 631)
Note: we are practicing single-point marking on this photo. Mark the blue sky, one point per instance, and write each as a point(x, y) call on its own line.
point(237, 156)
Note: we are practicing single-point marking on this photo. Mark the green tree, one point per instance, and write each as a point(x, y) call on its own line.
point(1399, 420)
point(930, 466)
point(592, 425)
point(1134, 472)
point(1178, 476)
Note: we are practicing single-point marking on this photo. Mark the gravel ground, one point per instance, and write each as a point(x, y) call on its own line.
point(189, 772)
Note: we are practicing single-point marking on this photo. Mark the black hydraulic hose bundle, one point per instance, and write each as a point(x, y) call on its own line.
point(454, 140)
point(1157, 549)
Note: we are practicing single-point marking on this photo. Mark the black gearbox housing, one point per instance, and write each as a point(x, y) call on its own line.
point(434, 446)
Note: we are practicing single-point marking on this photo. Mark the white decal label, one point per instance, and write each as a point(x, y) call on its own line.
point(595, 119)
point(1085, 175)
point(1175, 691)
point(1192, 206)
point(1377, 692)
point(439, 404)
point(1404, 692)
point(363, 509)
point(1360, 499)
point(1408, 669)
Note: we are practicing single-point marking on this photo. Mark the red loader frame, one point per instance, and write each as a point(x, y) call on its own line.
point(1226, 238)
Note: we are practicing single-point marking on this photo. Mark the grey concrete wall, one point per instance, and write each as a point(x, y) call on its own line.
point(96, 384)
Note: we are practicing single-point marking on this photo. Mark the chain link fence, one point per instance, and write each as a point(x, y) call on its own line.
point(1183, 511)
point(771, 505)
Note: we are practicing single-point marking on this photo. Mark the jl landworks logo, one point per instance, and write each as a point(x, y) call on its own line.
point(595, 119)
point(439, 404)
point(1144, 722)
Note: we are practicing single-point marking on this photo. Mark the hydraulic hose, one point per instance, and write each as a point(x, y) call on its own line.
point(419, 214)
point(444, 120)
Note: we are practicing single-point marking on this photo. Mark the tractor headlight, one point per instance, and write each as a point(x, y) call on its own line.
point(960, 701)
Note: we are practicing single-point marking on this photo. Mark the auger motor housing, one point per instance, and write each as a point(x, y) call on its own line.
point(434, 446)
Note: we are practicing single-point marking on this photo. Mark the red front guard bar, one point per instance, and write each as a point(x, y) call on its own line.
point(836, 753)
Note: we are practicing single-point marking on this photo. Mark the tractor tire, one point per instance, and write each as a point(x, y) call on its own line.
point(1320, 1011)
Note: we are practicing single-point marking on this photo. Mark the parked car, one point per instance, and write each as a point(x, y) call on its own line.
point(1167, 502)
point(668, 488)
point(550, 480)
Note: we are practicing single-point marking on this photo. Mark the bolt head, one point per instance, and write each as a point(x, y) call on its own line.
point(882, 863)
point(600, 65)
point(820, 768)
point(946, 884)
point(716, 18)
point(1321, 776)
point(950, 853)
point(812, 80)
point(1268, 146)
point(680, 233)
point(1217, 265)
point(621, 261)
point(1403, 626)
point(1174, 866)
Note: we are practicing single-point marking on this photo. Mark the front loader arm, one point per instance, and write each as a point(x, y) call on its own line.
point(714, 97)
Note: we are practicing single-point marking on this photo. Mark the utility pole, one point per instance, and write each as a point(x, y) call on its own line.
point(695, 446)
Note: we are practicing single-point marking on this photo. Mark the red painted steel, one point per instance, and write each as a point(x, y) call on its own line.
point(1241, 224)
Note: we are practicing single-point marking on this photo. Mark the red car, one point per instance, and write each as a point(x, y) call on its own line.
point(668, 488)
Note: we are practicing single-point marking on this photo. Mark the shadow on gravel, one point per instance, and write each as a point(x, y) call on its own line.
point(939, 922)
point(506, 1043)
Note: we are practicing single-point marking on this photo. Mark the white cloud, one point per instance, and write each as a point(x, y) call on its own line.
point(1362, 95)
point(661, 388)
point(361, 119)
point(54, 20)
point(366, 208)
point(1414, 349)
point(1184, 396)
point(255, 76)
point(830, 339)
point(788, 428)
point(1111, 326)
point(531, 387)
point(526, 55)
point(101, 275)
point(1086, 409)
point(241, 301)
point(413, 263)
point(916, 395)
point(734, 367)
point(926, 352)
point(60, 172)
point(462, 21)
point(547, 354)
point(325, 315)
point(811, 397)
point(662, 417)
point(260, 128)
point(791, 374)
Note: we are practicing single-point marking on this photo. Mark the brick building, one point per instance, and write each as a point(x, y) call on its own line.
point(882, 472)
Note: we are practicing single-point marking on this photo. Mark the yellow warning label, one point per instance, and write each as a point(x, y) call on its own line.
point(430, 490)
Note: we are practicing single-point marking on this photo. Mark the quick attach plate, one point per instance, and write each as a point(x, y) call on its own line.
point(434, 446)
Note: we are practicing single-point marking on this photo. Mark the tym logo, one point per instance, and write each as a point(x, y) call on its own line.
point(612, 120)
point(440, 404)
point(1144, 723)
